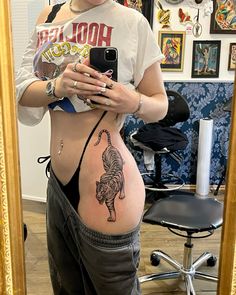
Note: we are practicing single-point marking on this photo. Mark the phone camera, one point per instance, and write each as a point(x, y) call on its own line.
point(110, 54)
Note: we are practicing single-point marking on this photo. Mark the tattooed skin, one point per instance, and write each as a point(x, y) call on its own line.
point(112, 181)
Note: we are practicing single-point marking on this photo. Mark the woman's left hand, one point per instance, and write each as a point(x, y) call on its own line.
point(116, 98)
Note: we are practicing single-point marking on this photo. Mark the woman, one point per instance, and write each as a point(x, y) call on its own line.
point(95, 191)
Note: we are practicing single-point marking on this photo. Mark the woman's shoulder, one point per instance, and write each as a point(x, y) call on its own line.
point(127, 9)
point(127, 13)
point(45, 13)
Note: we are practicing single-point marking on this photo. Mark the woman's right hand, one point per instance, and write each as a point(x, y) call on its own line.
point(79, 79)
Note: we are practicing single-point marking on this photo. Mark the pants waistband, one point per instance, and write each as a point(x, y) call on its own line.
point(91, 236)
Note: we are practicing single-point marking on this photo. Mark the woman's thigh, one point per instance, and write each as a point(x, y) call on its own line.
point(84, 261)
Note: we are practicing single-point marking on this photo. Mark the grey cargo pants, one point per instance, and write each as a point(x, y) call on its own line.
point(83, 261)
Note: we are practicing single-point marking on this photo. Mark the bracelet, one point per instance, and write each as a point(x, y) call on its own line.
point(54, 88)
point(140, 103)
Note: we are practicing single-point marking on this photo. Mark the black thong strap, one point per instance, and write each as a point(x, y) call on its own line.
point(88, 139)
point(71, 189)
point(54, 12)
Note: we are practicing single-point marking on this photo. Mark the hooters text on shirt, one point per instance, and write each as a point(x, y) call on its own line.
point(94, 34)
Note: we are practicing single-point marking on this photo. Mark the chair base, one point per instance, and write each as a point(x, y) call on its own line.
point(161, 185)
point(187, 272)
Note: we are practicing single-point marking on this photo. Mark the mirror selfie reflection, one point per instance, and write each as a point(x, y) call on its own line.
point(95, 193)
point(93, 208)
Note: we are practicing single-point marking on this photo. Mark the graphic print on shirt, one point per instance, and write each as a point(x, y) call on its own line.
point(111, 182)
point(59, 46)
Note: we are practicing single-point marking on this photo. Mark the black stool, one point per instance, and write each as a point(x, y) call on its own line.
point(191, 215)
point(162, 139)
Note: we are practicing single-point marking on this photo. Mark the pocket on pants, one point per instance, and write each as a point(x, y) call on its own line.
point(119, 260)
point(113, 271)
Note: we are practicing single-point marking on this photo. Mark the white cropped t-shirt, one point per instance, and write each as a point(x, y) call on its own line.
point(54, 45)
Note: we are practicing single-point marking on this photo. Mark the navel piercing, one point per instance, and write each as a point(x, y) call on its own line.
point(61, 147)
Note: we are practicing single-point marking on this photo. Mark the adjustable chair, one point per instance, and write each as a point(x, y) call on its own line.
point(185, 215)
point(162, 139)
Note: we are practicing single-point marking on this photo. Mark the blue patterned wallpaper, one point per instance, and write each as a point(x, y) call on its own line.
point(206, 100)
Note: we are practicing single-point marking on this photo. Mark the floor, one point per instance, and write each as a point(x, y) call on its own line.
point(152, 237)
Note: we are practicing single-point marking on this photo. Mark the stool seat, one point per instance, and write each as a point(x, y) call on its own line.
point(192, 214)
point(186, 213)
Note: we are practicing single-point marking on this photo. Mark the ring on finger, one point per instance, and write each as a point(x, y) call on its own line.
point(107, 102)
point(75, 84)
point(90, 104)
point(74, 69)
point(111, 85)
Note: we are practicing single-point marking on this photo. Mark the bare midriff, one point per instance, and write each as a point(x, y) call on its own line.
point(69, 133)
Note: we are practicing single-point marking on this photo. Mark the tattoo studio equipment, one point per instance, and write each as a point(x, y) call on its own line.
point(190, 217)
point(159, 140)
point(182, 212)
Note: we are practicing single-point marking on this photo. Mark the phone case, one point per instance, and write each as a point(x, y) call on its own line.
point(100, 63)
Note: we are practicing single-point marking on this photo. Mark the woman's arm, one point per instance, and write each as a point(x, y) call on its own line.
point(33, 93)
point(25, 78)
point(150, 99)
point(154, 99)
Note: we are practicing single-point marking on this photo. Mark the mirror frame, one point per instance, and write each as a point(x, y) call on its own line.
point(227, 265)
point(12, 267)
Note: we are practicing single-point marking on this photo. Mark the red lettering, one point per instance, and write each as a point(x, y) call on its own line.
point(42, 37)
point(104, 35)
point(73, 38)
point(52, 35)
point(82, 33)
point(93, 34)
point(61, 36)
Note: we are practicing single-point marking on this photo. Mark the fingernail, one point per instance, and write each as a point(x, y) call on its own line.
point(103, 89)
point(103, 85)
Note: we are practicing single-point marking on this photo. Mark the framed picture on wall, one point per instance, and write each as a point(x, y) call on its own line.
point(206, 59)
point(172, 46)
point(144, 6)
point(232, 57)
point(223, 18)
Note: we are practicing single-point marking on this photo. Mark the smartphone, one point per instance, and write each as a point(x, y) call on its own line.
point(105, 60)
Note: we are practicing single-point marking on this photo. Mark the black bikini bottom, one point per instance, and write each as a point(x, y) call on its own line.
point(71, 189)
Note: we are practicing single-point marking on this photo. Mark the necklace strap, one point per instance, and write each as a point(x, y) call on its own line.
point(77, 11)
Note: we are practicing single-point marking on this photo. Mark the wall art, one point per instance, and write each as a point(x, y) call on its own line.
point(172, 46)
point(232, 57)
point(223, 18)
point(206, 59)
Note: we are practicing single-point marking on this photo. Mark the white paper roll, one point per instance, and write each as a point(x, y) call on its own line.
point(204, 156)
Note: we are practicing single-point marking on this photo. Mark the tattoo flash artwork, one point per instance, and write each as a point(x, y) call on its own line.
point(112, 181)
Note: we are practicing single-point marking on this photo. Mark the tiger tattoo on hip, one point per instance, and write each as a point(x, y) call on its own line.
point(111, 182)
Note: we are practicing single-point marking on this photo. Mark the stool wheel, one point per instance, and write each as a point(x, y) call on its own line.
point(155, 259)
point(211, 261)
